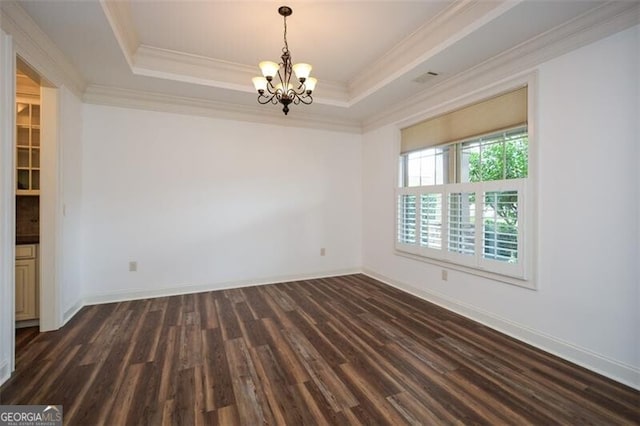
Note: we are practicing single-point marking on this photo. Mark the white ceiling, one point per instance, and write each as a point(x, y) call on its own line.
point(366, 54)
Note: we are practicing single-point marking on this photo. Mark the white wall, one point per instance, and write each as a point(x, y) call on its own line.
point(587, 307)
point(207, 203)
point(71, 203)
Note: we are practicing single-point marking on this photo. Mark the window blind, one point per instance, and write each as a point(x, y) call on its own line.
point(431, 220)
point(491, 115)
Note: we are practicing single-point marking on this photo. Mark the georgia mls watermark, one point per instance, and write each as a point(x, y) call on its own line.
point(30, 415)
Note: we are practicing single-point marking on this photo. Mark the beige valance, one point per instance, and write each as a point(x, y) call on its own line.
point(491, 115)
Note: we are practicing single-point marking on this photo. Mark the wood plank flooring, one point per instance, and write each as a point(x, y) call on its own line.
point(337, 351)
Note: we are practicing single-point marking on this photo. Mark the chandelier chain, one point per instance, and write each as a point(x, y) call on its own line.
point(286, 45)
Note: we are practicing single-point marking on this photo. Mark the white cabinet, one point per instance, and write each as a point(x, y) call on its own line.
point(26, 282)
point(28, 148)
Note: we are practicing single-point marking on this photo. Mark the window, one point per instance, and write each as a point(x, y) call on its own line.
point(425, 167)
point(462, 201)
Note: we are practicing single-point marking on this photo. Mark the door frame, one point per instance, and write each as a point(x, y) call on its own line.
point(50, 270)
point(7, 207)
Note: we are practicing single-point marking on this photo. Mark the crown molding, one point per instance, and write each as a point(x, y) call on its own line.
point(591, 26)
point(37, 49)
point(457, 21)
point(170, 64)
point(118, 14)
point(587, 28)
point(151, 61)
point(127, 98)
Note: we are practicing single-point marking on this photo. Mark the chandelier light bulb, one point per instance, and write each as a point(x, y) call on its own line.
point(260, 83)
point(269, 69)
point(310, 84)
point(302, 71)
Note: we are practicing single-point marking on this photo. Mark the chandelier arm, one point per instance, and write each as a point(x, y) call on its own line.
point(270, 88)
point(307, 100)
point(287, 76)
point(263, 100)
point(301, 90)
point(282, 80)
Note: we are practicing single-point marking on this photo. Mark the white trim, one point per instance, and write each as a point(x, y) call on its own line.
point(173, 65)
point(27, 323)
point(71, 312)
point(118, 13)
point(5, 372)
point(623, 373)
point(7, 205)
point(455, 22)
point(50, 248)
point(37, 49)
point(179, 66)
point(447, 264)
point(126, 295)
point(127, 98)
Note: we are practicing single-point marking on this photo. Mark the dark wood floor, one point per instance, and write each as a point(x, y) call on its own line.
point(346, 350)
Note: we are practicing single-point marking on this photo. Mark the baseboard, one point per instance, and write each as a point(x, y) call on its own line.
point(28, 323)
point(583, 357)
point(122, 296)
point(72, 311)
point(4, 372)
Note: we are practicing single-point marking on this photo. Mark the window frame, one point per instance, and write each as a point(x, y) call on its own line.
point(527, 198)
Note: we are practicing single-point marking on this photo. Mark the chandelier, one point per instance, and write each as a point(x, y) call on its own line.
point(285, 92)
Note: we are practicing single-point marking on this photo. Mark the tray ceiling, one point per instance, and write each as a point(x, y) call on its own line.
point(367, 55)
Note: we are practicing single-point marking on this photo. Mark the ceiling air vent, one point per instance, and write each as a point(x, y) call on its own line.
point(425, 77)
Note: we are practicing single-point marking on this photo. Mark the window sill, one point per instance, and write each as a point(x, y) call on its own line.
point(527, 284)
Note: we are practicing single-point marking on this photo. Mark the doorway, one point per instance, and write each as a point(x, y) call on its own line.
point(36, 218)
point(50, 196)
point(27, 196)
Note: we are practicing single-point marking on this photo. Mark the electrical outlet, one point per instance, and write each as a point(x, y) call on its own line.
point(322, 251)
point(445, 275)
point(133, 266)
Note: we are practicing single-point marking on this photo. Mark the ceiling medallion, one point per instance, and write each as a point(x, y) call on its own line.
point(285, 91)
